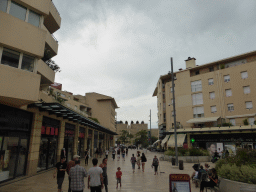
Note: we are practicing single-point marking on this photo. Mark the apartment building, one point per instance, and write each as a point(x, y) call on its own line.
point(36, 122)
point(214, 103)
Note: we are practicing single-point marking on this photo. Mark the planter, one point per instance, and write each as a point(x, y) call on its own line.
point(227, 185)
point(188, 159)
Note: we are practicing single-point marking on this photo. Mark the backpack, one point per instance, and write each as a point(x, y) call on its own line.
point(155, 161)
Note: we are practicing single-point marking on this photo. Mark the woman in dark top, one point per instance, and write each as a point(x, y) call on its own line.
point(104, 174)
point(86, 156)
point(213, 181)
point(143, 161)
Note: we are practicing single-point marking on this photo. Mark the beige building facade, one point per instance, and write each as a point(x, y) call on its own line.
point(219, 94)
point(38, 123)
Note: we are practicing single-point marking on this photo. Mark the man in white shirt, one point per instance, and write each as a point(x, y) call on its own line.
point(106, 152)
point(95, 179)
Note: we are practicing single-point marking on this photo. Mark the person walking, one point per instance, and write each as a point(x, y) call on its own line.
point(138, 160)
point(118, 154)
point(86, 156)
point(71, 164)
point(133, 161)
point(60, 169)
point(213, 180)
point(123, 154)
point(143, 161)
point(77, 175)
point(113, 154)
point(106, 153)
point(155, 164)
point(126, 151)
point(95, 179)
point(104, 174)
point(118, 177)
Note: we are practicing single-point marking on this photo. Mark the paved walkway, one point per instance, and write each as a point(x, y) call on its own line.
point(139, 181)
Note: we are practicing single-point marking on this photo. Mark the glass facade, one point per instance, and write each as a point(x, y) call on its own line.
point(10, 58)
point(69, 140)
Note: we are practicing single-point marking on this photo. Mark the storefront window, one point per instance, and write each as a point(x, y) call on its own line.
point(95, 140)
point(69, 140)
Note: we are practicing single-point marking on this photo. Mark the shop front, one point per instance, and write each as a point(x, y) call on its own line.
point(101, 138)
point(89, 142)
point(80, 149)
point(48, 145)
point(95, 140)
point(15, 128)
point(69, 140)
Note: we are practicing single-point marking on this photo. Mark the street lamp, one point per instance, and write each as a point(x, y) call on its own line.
point(174, 114)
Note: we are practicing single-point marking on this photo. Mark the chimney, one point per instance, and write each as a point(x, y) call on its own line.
point(190, 63)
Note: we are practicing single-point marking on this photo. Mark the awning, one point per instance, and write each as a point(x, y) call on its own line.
point(66, 113)
point(202, 120)
point(165, 140)
point(180, 140)
point(156, 142)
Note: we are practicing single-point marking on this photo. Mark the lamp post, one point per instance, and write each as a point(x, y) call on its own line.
point(174, 114)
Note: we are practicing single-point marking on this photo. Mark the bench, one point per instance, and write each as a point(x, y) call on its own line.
point(215, 188)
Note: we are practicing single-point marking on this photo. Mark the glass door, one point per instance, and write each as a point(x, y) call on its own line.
point(23, 151)
point(68, 145)
point(52, 152)
point(42, 154)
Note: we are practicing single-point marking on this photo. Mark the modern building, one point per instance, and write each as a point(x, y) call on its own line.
point(35, 123)
point(214, 103)
point(132, 129)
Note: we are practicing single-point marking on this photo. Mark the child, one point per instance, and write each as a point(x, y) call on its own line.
point(118, 176)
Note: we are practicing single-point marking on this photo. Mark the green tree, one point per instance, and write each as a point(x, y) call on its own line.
point(142, 138)
point(125, 137)
point(153, 139)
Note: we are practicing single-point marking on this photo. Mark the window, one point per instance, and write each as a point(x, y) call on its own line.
point(213, 109)
point(75, 107)
point(226, 78)
point(172, 113)
point(251, 121)
point(163, 96)
point(228, 93)
point(18, 11)
point(196, 86)
point(247, 89)
point(244, 75)
point(62, 95)
point(164, 106)
point(197, 72)
point(232, 121)
point(164, 117)
point(248, 105)
point(211, 69)
point(171, 89)
point(10, 58)
point(210, 82)
point(197, 99)
point(68, 104)
point(230, 107)
point(27, 63)
point(212, 95)
point(198, 112)
point(34, 18)
point(172, 101)
point(3, 5)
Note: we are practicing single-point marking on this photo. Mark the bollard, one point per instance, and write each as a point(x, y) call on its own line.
point(181, 165)
point(173, 161)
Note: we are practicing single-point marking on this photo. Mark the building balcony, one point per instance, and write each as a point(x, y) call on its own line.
point(47, 74)
point(53, 20)
point(22, 36)
point(51, 44)
point(18, 87)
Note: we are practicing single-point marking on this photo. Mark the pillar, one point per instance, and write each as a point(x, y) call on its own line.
point(61, 139)
point(75, 146)
point(85, 138)
point(35, 139)
point(188, 140)
point(92, 148)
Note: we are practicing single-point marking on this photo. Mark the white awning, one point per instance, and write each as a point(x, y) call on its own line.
point(180, 140)
point(202, 120)
point(156, 142)
point(165, 140)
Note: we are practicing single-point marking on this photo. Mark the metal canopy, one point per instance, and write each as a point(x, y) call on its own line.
point(66, 113)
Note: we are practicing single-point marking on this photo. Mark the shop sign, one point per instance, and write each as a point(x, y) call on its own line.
point(81, 135)
point(89, 136)
point(70, 133)
point(49, 131)
point(179, 182)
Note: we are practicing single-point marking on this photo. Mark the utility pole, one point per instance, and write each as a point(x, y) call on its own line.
point(150, 130)
point(174, 115)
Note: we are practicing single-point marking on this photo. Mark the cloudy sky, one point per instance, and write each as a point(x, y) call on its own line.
point(120, 48)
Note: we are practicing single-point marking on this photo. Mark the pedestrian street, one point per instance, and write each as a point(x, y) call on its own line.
point(139, 181)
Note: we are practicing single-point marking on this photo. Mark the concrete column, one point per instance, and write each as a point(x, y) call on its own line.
point(35, 139)
point(61, 139)
point(92, 148)
point(188, 140)
point(75, 146)
point(85, 138)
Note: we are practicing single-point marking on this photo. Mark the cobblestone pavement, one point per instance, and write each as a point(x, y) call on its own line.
point(139, 181)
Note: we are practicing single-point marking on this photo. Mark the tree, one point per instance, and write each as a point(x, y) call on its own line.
point(142, 138)
point(153, 139)
point(125, 136)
